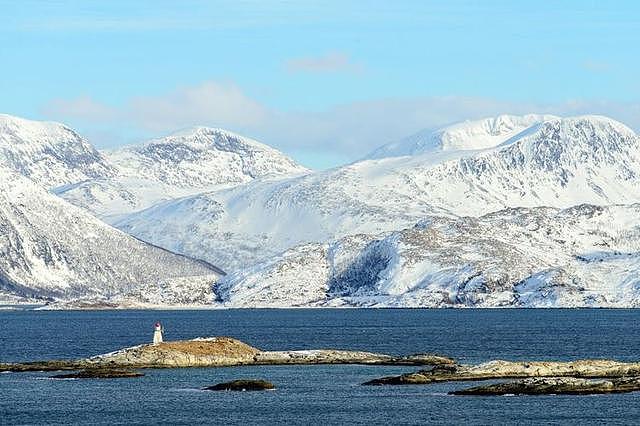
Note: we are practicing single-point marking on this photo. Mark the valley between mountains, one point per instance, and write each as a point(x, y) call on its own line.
point(509, 211)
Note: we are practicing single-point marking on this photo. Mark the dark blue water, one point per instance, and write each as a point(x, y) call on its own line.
point(311, 394)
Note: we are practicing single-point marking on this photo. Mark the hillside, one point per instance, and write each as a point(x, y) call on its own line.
point(53, 251)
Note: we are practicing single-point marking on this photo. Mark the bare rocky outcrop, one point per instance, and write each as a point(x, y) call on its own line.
point(556, 386)
point(221, 352)
point(218, 351)
point(514, 370)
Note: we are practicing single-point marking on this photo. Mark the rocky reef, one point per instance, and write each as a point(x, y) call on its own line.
point(556, 386)
point(99, 373)
point(219, 352)
point(242, 385)
point(514, 370)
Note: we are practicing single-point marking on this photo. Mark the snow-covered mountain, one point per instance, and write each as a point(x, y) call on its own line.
point(180, 164)
point(202, 157)
point(557, 163)
point(51, 250)
point(509, 211)
point(540, 257)
point(50, 154)
point(468, 135)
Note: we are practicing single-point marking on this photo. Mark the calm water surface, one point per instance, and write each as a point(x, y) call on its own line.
point(311, 394)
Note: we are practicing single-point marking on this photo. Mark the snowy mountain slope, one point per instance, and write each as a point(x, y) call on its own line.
point(201, 157)
point(180, 164)
point(50, 154)
point(581, 256)
point(467, 135)
point(51, 250)
point(558, 163)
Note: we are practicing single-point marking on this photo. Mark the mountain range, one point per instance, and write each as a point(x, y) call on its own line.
point(507, 211)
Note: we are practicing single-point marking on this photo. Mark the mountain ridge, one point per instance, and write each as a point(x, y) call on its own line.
point(560, 164)
point(461, 136)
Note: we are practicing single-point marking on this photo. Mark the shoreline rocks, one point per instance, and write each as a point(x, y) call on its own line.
point(513, 370)
point(242, 385)
point(555, 385)
point(100, 373)
point(220, 352)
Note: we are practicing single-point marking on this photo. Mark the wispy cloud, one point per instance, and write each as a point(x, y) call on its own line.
point(81, 108)
point(211, 103)
point(328, 63)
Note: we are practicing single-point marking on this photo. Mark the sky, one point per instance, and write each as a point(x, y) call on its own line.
point(325, 82)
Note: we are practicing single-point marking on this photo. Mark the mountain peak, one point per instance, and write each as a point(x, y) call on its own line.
point(204, 137)
point(462, 136)
point(572, 132)
point(49, 153)
point(198, 158)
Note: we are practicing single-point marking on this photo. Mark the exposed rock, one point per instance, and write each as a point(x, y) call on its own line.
point(99, 373)
point(54, 365)
point(330, 356)
point(211, 352)
point(507, 370)
point(555, 385)
point(242, 385)
point(220, 352)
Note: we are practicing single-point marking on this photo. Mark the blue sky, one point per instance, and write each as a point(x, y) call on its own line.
point(324, 81)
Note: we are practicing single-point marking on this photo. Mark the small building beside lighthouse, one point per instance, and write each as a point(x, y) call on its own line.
point(157, 333)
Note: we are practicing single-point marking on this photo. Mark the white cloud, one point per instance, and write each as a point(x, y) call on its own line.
point(223, 105)
point(80, 108)
point(211, 103)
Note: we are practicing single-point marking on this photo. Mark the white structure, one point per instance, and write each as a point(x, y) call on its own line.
point(157, 334)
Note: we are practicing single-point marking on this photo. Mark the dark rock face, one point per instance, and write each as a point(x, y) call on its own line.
point(99, 374)
point(242, 385)
point(555, 385)
point(437, 373)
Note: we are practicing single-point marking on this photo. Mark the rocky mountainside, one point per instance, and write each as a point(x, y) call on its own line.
point(540, 257)
point(51, 250)
point(557, 163)
point(465, 136)
point(184, 163)
point(50, 154)
point(201, 157)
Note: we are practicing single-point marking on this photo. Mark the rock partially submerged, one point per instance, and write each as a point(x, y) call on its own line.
point(55, 365)
point(99, 373)
point(557, 386)
point(242, 385)
point(221, 352)
point(514, 370)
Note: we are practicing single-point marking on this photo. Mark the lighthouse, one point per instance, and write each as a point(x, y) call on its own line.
point(157, 333)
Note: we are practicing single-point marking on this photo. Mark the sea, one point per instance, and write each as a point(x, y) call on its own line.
point(310, 395)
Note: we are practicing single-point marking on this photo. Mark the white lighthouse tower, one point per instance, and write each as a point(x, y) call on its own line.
point(157, 333)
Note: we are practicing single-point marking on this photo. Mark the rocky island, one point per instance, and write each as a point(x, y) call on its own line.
point(555, 386)
point(514, 370)
point(219, 352)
